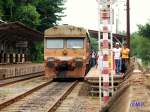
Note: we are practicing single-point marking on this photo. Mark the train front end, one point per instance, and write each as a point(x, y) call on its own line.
point(66, 52)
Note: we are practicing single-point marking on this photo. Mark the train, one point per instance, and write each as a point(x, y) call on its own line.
point(66, 51)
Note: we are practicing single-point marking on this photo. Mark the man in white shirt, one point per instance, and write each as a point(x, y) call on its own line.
point(117, 57)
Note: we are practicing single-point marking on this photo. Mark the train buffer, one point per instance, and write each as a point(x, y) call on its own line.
point(92, 78)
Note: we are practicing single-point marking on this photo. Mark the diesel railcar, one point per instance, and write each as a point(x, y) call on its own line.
point(66, 51)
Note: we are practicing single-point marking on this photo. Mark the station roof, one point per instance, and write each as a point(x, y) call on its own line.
point(94, 34)
point(13, 31)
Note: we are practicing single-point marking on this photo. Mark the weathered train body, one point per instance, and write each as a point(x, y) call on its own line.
point(66, 51)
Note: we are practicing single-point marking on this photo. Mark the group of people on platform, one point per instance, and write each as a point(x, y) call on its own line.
point(121, 58)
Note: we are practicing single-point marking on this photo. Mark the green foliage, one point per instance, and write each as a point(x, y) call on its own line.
point(36, 53)
point(94, 43)
point(50, 11)
point(140, 44)
point(144, 51)
point(144, 30)
point(28, 15)
point(40, 14)
point(135, 41)
point(1, 9)
point(10, 5)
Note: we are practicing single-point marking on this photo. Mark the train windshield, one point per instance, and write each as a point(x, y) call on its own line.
point(55, 43)
point(75, 43)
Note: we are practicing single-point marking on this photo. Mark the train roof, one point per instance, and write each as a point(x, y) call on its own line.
point(65, 31)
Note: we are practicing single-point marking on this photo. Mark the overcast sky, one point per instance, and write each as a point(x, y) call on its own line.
point(84, 13)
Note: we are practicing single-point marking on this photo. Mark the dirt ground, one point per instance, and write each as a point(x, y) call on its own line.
point(80, 101)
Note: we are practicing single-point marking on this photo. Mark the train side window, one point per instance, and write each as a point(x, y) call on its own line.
point(75, 43)
point(55, 43)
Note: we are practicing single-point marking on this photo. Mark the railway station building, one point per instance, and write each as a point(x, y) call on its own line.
point(15, 41)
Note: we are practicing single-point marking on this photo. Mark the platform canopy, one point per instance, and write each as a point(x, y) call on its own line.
point(94, 33)
point(16, 31)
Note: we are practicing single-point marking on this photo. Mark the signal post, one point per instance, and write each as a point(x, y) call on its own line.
point(105, 50)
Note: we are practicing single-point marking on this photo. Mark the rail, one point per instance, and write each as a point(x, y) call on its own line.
point(13, 80)
point(65, 94)
point(21, 96)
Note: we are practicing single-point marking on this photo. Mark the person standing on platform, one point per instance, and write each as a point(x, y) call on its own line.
point(125, 58)
point(93, 58)
point(117, 58)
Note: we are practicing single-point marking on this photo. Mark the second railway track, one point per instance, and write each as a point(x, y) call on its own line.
point(12, 93)
point(45, 99)
point(13, 80)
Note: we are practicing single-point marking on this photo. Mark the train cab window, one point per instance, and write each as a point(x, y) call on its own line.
point(75, 43)
point(55, 43)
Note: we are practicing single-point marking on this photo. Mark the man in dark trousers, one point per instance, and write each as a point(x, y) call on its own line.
point(93, 59)
point(125, 58)
point(117, 58)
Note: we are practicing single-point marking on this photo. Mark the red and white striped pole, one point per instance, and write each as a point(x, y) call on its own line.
point(105, 23)
point(105, 49)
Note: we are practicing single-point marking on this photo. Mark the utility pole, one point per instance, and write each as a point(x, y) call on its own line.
point(128, 23)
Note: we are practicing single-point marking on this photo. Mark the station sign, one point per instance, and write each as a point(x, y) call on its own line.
point(22, 44)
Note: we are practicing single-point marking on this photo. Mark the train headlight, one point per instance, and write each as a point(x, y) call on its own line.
point(79, 62)
point(79, 59)
point(50, 61)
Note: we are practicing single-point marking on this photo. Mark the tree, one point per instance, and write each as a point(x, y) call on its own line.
point(28, 15)
point(144, 30)
point(1, 9)
point(140, 47)
point(37, 52)
point(94, 43)
point(144, 51)
point(135, 41)
point(50, 12)
point(39, 14)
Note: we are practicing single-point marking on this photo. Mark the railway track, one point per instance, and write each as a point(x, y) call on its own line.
point(45, 98)
point(13, 80)
point(13, 92)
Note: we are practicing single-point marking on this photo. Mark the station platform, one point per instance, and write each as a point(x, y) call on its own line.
point(15, 70)
point(92, 78)
point(95, 72)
